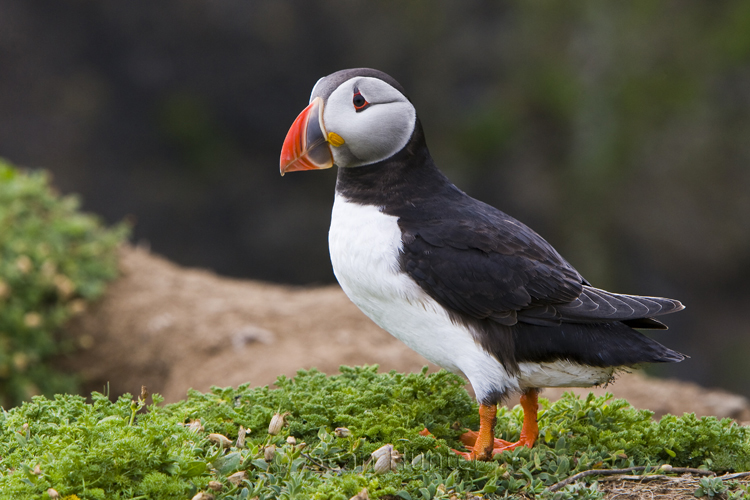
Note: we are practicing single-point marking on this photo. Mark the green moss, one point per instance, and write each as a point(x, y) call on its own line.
point(53, 259)
point(93, 451)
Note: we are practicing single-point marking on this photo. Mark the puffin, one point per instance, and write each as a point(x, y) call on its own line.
point(465, 285)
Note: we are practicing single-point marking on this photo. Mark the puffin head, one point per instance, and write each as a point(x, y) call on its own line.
point(355, 117)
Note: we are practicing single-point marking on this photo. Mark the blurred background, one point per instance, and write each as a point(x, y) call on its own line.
point(620, 131)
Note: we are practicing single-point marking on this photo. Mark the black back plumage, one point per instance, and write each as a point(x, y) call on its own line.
point(519, 297)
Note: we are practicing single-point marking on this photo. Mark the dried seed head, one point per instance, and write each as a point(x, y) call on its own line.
point(383, 450)
point(277, 423)
point(241, 437)
point(20, 361)
point(53, 494)
point(291, 440)
point(202, 495)
point(195, 426)
point(342, 432)
point(269, 453)
point(220, 439)
point(386, 457)
point(25, 427)
point(382, 465)
point(64, 286)
point(32, 319)
point(77, 306)
point(215, 485)
point(237, 477)
point(144, 393)
point(362, 495)
point(24, 264)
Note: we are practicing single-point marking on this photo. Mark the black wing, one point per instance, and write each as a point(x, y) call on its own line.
point(480, 262)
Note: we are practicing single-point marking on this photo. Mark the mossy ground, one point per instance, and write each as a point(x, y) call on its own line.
point(97, 450)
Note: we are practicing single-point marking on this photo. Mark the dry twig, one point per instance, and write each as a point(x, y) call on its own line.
point(612, 472)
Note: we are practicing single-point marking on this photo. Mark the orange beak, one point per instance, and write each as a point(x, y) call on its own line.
point(306, 145)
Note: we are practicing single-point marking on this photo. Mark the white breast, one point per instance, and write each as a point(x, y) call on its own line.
point(364, 245)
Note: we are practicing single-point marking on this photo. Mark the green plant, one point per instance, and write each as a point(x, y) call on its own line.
point(576, 491)
point(739, 492)
point(221, 440)
point(90, 450)
point(53, 259)
point(711, 487)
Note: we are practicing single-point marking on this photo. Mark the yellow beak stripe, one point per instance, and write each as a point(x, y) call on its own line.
point(335, 139)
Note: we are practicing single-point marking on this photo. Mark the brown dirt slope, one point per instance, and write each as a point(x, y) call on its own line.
point(172, 328)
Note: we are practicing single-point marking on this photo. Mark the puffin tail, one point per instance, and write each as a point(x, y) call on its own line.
point(595, 344)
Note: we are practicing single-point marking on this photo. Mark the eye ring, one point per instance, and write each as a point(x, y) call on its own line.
point(358, 101)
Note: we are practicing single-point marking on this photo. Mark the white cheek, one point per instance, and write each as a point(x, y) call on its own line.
point(374, 134)
point(382, 131)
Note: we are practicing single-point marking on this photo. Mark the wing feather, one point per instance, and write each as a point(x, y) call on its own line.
point(487, 265)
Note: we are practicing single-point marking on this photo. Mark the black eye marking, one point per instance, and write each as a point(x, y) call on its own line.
point(359, 101)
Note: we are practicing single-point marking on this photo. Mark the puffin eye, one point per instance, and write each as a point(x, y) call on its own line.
point(359, 101)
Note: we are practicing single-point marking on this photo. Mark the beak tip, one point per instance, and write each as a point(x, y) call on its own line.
point(306, 148)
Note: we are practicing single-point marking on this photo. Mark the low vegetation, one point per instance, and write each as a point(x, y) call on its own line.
point(325, 437)
point(53, 260)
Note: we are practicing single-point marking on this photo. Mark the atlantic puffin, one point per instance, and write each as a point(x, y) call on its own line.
point(465, 285)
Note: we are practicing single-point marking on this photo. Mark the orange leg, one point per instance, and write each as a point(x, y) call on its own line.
point(482, 445)
point(530, 429)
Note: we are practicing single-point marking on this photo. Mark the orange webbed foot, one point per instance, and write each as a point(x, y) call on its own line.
point(469, 439)
point(483, 445)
